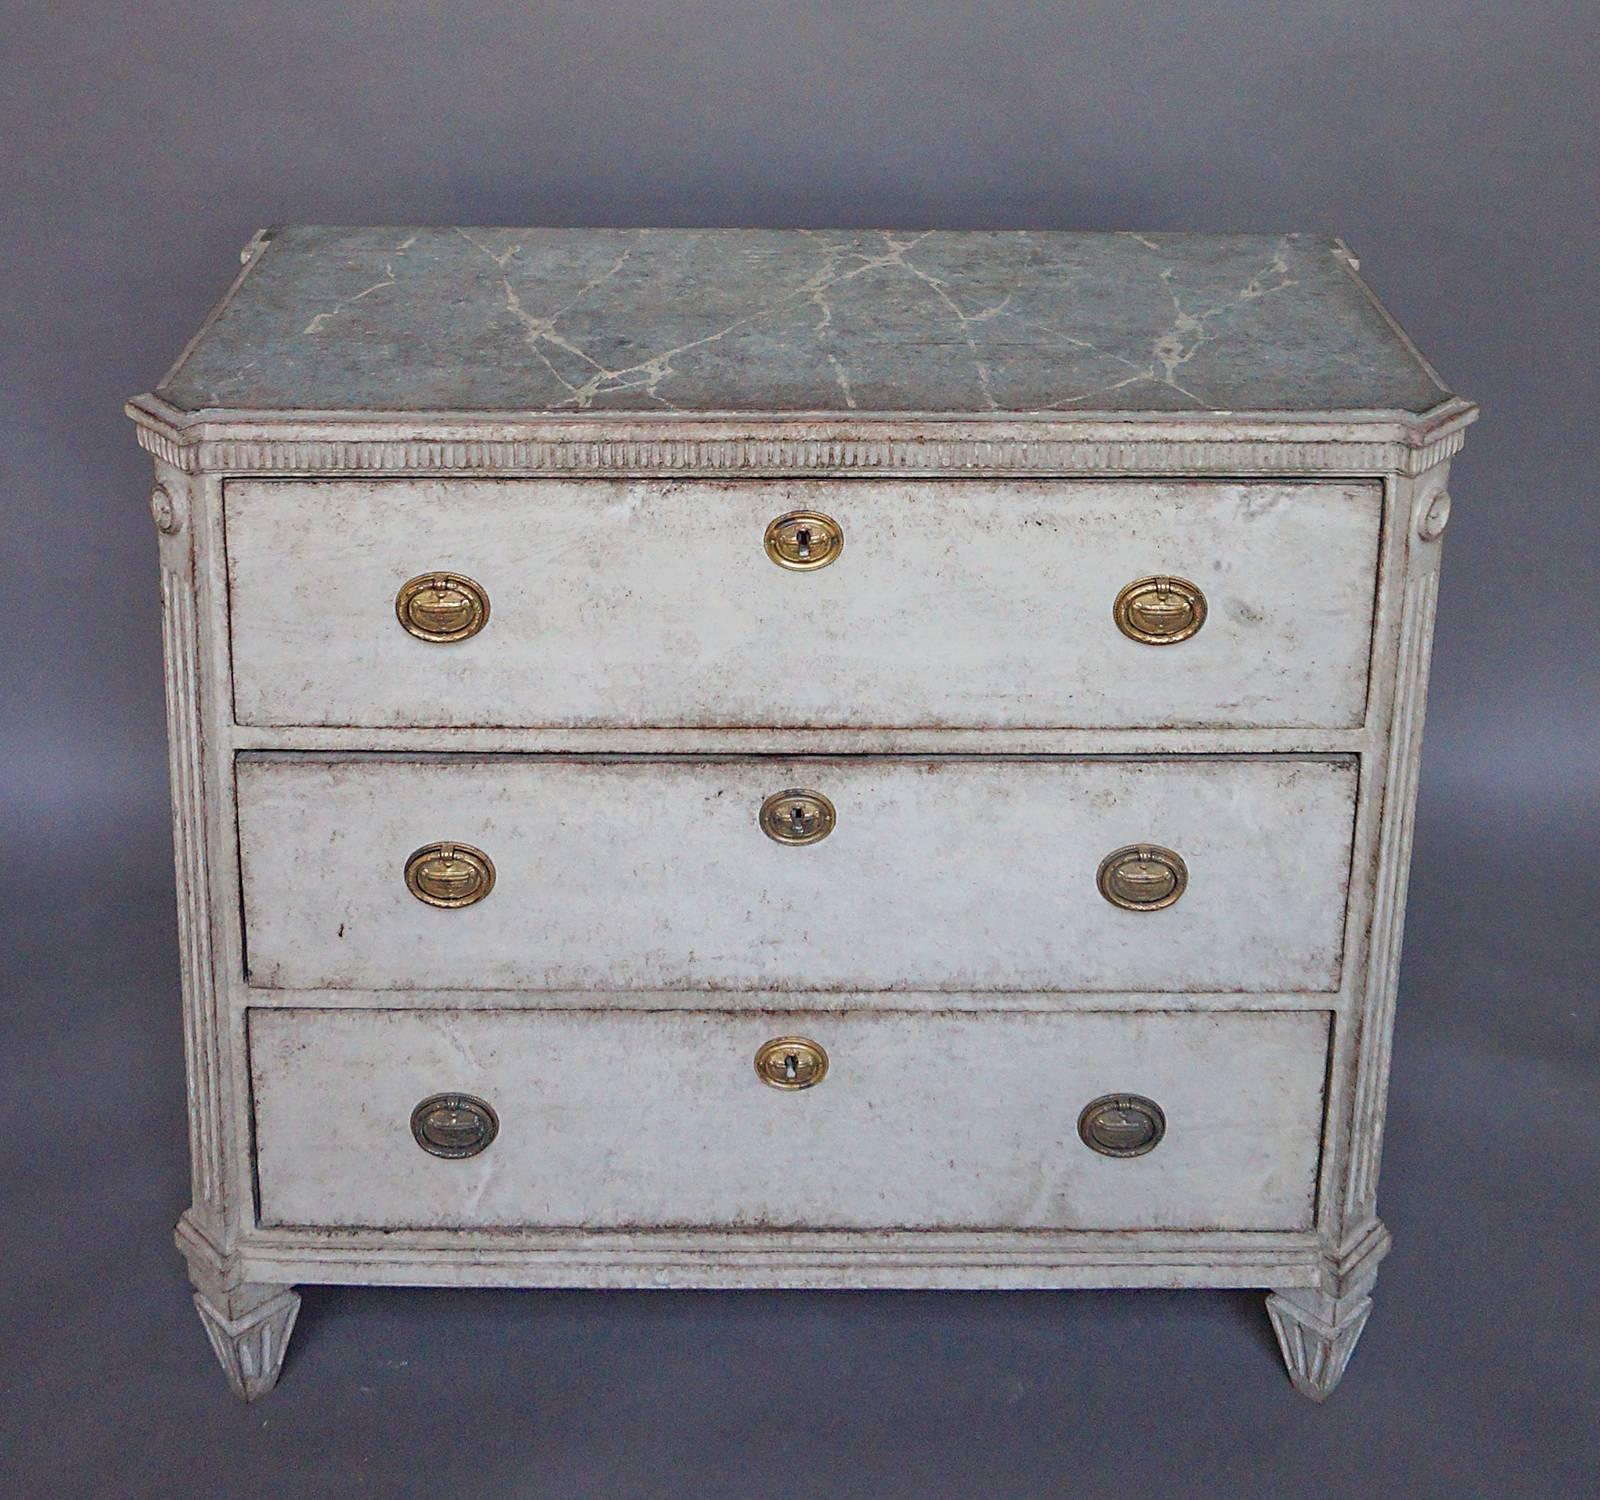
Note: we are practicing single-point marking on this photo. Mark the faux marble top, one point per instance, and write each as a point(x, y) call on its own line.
point(790, 321)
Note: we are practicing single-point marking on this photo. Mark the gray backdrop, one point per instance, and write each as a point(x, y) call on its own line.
point(1452, 143)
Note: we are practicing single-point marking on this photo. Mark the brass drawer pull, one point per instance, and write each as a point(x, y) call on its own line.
point(797, 817)
point(791, 1062)
point(1122, 1125)
point(454, 1125)
point(1142, 877)
point(449, 874)
point(804, 540)
point(1160, 611)
point(442, 607)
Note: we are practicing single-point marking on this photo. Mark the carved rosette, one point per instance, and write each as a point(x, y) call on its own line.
point(1434, 515)
point(167, 509)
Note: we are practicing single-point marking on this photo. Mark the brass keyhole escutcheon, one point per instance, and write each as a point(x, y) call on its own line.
point(1142, 877)
point(442, 607)
point(449, 874)
point(804, 540)
point(454, 1125)
point(791, 1062)
point(1160, 611)
point(1122, 1125)
point(797, 817)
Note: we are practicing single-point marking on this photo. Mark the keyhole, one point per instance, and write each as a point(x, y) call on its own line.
point(797, 818)
point(791, 1066)
point(802, 540)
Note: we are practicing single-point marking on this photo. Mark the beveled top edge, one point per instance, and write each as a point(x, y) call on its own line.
point(150, 410)
point(462, 444)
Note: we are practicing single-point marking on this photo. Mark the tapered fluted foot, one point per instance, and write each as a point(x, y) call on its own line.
point(249, 1330)
point(1317, 1327)
point(1317, 1335)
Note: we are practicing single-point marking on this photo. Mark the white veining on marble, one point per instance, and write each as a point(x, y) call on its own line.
point(389, 279)
point(1175, 347)
point(805, 320)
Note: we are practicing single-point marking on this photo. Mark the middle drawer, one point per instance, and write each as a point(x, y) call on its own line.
point(453, 872)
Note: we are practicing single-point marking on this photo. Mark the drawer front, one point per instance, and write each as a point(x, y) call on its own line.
point(953, 604)
point(612, 1120)
point(650, 873)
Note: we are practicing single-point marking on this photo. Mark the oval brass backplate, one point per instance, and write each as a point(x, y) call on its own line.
point(449, 874)
point(797, 816)
point(1160, 611)
point(1122, 1125)
point(454, 1125)
point(791, 1062)
point(804, 539)
point(442, 607)
point(1142, 877)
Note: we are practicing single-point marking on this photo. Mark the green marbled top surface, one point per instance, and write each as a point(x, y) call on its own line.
point(795, 321)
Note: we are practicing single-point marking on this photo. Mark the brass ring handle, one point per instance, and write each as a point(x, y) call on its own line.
point(797, 817)
point(1142, 877)
point(791, 1062)
point(804, 540)
point(1122, 1125)
point(1160, 611)
point(449, 874)
point(454, 1125)
point(442, 607)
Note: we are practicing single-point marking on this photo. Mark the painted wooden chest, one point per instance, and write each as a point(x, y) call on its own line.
point(793, 759)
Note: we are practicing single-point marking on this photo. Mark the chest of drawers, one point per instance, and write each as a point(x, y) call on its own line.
point(794, 759)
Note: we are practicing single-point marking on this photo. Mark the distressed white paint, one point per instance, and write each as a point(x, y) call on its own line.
point(1322, 1275)
point(654, 873)
point(610, 1120)
point(652, 603)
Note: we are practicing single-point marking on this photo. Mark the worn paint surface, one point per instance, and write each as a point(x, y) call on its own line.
point(611, 1120)
point(556, 320)
point(641, 874)
point(636, 603)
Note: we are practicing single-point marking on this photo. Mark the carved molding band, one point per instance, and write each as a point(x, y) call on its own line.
point(797, 456)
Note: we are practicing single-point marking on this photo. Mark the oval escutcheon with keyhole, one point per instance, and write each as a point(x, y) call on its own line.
point(797, 816)
point(804, 540)
point(791, 1062)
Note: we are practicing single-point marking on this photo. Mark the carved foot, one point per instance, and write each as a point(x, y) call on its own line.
point(249, 1329)
point(1317, 1334)
point(1318, 1326)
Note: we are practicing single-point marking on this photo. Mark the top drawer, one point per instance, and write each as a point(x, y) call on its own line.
point(655, 603)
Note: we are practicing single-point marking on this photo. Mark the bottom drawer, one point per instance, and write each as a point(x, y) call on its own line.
point(613, 1120)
